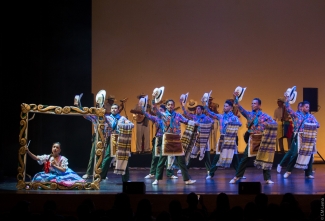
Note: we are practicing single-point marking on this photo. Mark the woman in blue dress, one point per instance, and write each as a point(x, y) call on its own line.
point(55, 168)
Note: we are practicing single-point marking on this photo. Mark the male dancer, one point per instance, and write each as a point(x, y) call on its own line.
point(299, 118)
point(93, 119)
point(114, 120)
point(199, 117)
point(256, 121)
point(171, 120)
point(157, 141)
point(223, 119)
point(288, 154)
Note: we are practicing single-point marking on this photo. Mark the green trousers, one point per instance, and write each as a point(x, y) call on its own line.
point(207, 161)
point(181, 163)
point(107, 161)
point(213, 168)
point(154, 160)
point(90, 167)
point(243, 164)
point(288, 155)
point(293, 159)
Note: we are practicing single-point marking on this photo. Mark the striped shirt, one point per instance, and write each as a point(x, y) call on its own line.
point(159, 124)
point(257, 124)
point(172, 121)
point(299, 118)
point(113, 122)
point(223, 119)
point(202, 118)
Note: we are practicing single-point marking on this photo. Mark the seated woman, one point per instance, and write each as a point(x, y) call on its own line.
point(55, 168)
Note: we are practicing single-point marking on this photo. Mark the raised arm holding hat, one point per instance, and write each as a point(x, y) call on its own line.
point(260, 127)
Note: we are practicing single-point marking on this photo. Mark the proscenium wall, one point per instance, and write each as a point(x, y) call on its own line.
point(198, 46)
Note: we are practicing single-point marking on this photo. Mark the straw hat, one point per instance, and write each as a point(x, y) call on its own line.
point(100, 98)
point(292, 94)
point(158, 93)
point(241, 91)
point(183, 98)
point(191, 104)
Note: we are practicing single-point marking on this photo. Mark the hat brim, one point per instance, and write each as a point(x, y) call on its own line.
point(100, 98)
point(160, 94)
point(293, 98)
point(143, 102)
point(241, 91)
point(184, 98)
point(205, 98)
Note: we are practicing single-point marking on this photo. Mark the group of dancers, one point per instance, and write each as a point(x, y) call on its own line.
point(171, 146)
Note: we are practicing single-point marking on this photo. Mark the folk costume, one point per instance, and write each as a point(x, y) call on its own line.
point(257, 121)
point(200, 146)
point(121, 126)
point(156, 146)
point(172, 121)
point(305, 140)
point(223, 119)
point(67, 178)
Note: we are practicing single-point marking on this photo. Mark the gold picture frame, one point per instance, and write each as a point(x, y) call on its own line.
point(26, 109)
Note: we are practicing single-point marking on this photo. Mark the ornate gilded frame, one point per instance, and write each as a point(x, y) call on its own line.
point(67, 110)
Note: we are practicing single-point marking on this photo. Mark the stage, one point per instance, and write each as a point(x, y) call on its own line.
point(304, 189)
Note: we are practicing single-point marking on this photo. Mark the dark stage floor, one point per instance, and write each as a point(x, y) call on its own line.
point(296, 183)
point(160, 195)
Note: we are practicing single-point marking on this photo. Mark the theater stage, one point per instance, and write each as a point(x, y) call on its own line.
point(304, 189)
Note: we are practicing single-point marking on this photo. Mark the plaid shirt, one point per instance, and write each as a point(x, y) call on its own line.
point(299, 118)
point(223, 119)
point(172, 121)
point(259, 124)
point(157, 122)
point(113, 122)
point(202, 118)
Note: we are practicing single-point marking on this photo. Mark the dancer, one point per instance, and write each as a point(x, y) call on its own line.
point(117, 125)
point(288, 154)
point(172, 121)
point(156, 143)
point(205, 123)
point(224, 119)
point(93, 119)
point(301, 119)
point(257, 122)
point(55, 168)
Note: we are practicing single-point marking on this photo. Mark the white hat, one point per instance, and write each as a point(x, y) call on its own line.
point(143, 102)
point(206, 96)
point(158, 93)
point(241, 92)
point(100, 98)
point(183, 98)
point(77, 100)
point(292, 94)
